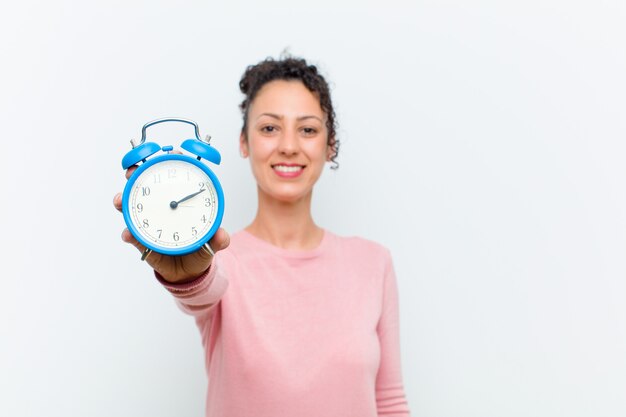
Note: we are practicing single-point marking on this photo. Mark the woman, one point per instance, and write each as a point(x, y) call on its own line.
point(295, 320)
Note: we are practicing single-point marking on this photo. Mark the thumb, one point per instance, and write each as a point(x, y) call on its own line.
point(220, 240)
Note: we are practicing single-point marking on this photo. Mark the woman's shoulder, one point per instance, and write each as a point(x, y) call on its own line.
point(241, 241)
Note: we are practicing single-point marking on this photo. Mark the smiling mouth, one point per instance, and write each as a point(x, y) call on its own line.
point(288, 168)
point(288, 172)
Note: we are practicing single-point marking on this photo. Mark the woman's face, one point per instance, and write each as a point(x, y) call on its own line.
point(286, 140)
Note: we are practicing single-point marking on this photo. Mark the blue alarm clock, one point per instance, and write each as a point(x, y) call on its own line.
point(172, 204)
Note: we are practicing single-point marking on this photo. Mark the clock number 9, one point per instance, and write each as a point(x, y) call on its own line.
point(139, 208)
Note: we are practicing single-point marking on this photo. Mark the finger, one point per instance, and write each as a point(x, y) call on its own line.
point(117, 201)
point(220, 240)
point(129, 238)
point(130, 171)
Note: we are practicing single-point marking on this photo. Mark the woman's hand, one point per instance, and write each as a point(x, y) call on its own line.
point(176, 269)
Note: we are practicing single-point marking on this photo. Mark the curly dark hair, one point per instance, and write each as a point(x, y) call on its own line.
point(290, 68)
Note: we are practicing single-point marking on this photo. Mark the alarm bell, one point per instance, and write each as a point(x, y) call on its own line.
point(196, 146)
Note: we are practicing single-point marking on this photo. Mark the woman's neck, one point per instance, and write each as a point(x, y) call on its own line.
point(288, 225)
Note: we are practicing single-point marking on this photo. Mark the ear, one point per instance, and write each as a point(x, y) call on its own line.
point(329, 153)
point(243, 146)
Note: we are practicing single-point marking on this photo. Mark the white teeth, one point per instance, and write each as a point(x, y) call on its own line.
point(283, 168)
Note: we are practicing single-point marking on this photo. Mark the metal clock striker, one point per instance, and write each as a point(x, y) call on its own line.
point(172, 204)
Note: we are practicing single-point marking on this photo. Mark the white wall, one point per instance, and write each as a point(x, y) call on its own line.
point(482, 142)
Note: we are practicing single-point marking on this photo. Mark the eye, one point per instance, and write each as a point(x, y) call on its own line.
point(309, 131)
point(268, 129)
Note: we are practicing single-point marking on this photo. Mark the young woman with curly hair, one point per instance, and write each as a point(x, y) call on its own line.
point(296, 321)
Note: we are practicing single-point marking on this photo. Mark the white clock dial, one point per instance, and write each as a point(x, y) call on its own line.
point(173, 204)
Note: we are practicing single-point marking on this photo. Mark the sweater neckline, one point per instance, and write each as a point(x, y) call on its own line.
point(290, 253)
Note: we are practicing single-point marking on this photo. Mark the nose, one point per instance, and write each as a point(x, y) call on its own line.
point(288, 144)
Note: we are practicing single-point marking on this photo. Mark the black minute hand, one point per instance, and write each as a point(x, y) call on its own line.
point(174, 204)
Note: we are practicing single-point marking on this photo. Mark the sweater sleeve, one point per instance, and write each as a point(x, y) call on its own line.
point(199, 296)
point(390, 397)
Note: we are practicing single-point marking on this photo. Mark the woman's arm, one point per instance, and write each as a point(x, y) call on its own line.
point(390, 397)
point(198, 296)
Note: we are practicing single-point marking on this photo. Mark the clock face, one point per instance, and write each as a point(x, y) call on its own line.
point(172, 205)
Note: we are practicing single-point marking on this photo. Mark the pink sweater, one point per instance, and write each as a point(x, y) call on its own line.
point(299, 333)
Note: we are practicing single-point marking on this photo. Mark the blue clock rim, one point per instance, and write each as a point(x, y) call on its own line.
point(185, 249)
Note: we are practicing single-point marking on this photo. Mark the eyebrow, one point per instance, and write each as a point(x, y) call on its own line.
point(276, 116)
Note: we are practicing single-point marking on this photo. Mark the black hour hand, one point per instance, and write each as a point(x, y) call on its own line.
point(174, 204)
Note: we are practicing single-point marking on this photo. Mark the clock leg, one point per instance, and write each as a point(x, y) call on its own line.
point(145, 254)
point(208, 249)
